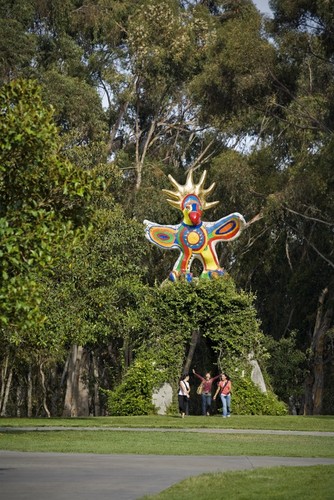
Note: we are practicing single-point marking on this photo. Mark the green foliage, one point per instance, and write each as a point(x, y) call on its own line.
point(77, 107)
point(101, 288)
point(170, 320)
point(134, 395)
point(43, 204)
point(16, 49)
point(286, 367)
point(236, 74)
point(247, 399)
point(229, 319)
point(168, 58)
point(221, 313)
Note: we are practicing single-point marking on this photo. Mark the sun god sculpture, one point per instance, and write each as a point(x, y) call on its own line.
point(194, 238)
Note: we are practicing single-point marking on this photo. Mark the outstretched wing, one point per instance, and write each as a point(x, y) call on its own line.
point(162, 236)
point(227, 228)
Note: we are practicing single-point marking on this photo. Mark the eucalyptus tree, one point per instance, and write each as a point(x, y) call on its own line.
point(143, 70)
point(300, 118)
point(285, 181)
point(142, 55)
point(139, 54)
point(38, 41)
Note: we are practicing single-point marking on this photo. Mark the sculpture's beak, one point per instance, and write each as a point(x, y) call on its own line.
point(195, 217)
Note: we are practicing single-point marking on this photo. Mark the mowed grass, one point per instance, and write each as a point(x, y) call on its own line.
point(273, 483)
point(285, 483)
point(167, 443)
point(287, 423)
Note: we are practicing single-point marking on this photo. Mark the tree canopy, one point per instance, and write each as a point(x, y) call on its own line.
point(43, 203)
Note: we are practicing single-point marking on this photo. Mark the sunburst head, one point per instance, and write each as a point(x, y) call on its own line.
point(177, 197)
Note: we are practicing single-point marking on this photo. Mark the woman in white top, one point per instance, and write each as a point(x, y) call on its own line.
point(184, 394)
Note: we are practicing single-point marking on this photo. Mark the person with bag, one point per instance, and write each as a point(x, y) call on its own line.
point(204, 389)
point(184, 395)
point(224, 387)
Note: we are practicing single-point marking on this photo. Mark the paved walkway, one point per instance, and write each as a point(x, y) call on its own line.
point(63, 476)
point(169, 429)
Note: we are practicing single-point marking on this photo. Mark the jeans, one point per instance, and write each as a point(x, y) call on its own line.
point(226, 402)
point(206, 403)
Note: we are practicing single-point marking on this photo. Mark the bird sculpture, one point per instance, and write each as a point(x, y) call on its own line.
point(194, 238)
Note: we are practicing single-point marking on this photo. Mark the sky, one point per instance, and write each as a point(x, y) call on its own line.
point(263, 6)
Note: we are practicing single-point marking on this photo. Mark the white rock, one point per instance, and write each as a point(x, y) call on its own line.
point(162, 398)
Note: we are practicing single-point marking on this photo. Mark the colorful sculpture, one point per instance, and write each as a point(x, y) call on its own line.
point(193, 237)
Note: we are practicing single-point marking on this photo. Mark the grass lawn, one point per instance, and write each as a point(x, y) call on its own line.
point(285, 483)
point(168, 443)
point(288, 422)
point(172, 443)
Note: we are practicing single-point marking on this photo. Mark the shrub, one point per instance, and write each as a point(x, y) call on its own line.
point(247, 399)
point(134, 395)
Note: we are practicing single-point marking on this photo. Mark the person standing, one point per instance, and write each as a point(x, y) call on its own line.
point(206, 395)
point(184, 394)
point(224, 387)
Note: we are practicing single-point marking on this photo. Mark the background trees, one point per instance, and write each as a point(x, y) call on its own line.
point(140, 89)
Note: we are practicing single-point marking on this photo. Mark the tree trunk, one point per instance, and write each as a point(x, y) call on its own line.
point(53, 385)
point(4, 370)
point(7, 382)
point(323, 323)
point(97, 406)
point(45, 406)
point(76, 397)
point(116, 362)
point(121, 113)
point(143, 142)
point(313, 404)
point(308, 404)
point(18, 400)
point(29, 393)
point(83, 387)
point(192, 347)
point(67, 411)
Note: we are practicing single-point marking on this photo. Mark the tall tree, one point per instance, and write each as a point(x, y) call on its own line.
point(297, 147)
point(43, 212)
point(102, 291)
point(42, 203)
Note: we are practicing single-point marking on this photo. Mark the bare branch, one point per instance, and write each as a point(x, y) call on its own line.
point(202, 158)
point(256, 218)
point(251, 241)
point(319, 253)
point(288, 254)
point(330, 224)
point(329, 262)
point(303, 111)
